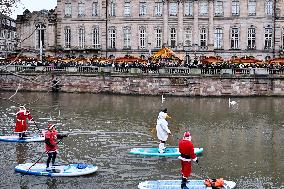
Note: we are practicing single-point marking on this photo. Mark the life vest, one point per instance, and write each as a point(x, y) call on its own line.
point(214, 183)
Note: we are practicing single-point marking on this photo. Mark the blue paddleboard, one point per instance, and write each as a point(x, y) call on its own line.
point(15, 138)
point(57, 170)
point(175, 184)
point(154, 151)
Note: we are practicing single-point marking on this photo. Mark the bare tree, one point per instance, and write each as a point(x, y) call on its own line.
point(7, 5)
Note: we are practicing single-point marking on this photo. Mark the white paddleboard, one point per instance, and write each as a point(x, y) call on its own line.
point(15, 138)
point(176, 184)
point(68, 170)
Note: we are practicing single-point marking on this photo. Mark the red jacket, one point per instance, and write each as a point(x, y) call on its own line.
point(186, 148)
point(52, 136)
point(21, 118)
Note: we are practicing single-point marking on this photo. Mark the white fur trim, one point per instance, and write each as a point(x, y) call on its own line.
point(184, 159)
point(187, 138)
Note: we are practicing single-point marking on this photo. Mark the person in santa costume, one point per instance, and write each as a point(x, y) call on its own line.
point(162, 129)
point(51, 144)
point(21, 121)
point(186, 149)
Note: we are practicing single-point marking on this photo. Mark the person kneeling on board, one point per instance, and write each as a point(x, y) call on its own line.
point(186, 149)
point(162, 129)
point(51, 144)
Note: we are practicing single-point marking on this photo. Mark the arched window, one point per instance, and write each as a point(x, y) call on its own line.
point(67, 37)
point(96, 37)
point(268, 33)
point(158, 38)
point(82, 38)
point(126, 37)
point(173, 38)
point(218, 38)
point(235, 37)
point(112, 38)
point(40, 35)
point(203, 37)
point(251, 38)
point(142, 38)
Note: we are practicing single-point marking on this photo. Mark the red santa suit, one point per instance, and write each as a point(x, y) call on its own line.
point(21, 116)
point(186, 148)
point(52, 136)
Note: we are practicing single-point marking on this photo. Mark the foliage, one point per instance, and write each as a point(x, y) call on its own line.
point(7, 5)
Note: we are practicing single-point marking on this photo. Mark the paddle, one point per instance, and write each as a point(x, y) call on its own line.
point(203, 171)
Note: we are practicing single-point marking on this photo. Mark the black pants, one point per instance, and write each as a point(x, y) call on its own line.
point(51, 155)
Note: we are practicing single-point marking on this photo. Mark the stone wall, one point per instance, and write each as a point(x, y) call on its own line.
point(149, 85)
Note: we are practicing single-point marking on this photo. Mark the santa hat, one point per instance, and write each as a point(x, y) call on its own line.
point(187, 136)
point(50, 126)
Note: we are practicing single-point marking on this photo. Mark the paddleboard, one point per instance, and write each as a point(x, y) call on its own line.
point(57, 170)
point(154, 151)
point(15, 138)
point(175, 184)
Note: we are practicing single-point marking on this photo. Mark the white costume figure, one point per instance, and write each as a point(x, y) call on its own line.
point(162, 129)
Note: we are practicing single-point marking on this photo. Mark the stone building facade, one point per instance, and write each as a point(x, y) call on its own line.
point(190, 27)
point(8, 37)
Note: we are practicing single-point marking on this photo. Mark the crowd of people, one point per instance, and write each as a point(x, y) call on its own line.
point(145, 64)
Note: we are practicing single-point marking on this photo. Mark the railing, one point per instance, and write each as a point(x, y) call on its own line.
point(143, 71)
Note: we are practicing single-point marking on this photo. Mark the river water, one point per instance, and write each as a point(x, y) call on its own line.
point(243, 143)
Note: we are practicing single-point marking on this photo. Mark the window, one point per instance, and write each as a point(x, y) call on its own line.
point(173, 38)
point(203, 38)
point(173, 9)
point(188, 8)
point(126, 37)
point(96, 37)
point(235, 35)
point(219, 8)
point(67, 37)
point(82, 37)
point(40, 35)
point(187, 37)
point(127, 9)
point(203, 8)
point(268, 7)
point(95, 8)
point(251, 7)
point(218, 38)
point(235, 7)
point(2, 33)
point(251, 38)
point(112, 8)
point(142, 8)
point(142, 38)
point(158, 39)
point(158, 8)
point(268, 38)
point(81, 9)
point(68, 9)
point(112, 38)
point(283, 38)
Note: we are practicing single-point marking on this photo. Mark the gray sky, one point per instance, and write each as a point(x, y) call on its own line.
point(33, 5)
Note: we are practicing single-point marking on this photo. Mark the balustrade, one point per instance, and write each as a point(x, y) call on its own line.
point(144, 70)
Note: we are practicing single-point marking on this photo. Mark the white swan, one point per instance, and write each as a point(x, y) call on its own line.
point(232, 102)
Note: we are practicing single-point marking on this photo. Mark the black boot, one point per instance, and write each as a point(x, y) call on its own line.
point(183, 183)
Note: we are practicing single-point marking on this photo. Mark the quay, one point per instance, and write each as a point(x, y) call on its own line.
point(176, 81)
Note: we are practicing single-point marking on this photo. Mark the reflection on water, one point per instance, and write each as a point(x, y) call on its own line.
point(243, 142)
